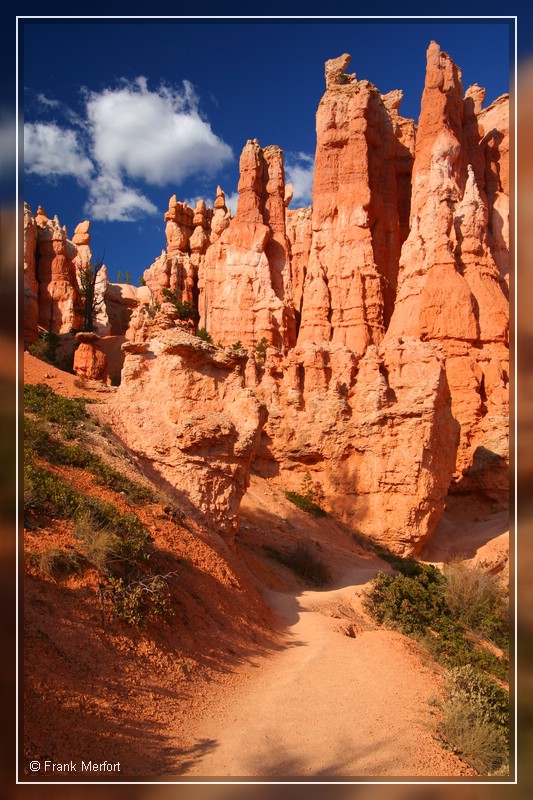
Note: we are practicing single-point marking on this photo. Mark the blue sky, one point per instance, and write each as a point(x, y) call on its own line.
point(121, 115)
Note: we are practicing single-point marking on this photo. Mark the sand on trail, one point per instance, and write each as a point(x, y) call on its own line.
point(327, 704)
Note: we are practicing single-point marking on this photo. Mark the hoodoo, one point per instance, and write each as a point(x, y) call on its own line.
point(361, 341)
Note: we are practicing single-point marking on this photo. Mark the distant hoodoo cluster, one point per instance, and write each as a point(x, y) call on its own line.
point(363, 340)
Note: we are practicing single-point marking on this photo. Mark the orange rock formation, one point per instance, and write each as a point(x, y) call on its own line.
point(450, 288)
point(245, 284)
point(203, 431)
point(383, 305)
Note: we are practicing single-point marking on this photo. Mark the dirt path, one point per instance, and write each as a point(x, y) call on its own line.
point(327, 704)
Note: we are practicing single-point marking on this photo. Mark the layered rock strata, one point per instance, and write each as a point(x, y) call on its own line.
point(200, 436)
point(188, 234)
point(351, 275)
point(383, 307)
point(449, 287)
point(56, 274)
point(375, 433)
point(245, 284)
point(52, 264)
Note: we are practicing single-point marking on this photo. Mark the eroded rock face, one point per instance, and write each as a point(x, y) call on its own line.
point(122, 301)
point(493, 127)
point(449, 287)
point(83, 257)
point(244, 284)
point(299, 223)
point(90, 361)
point(201, 434)
point(58, 286)
point(188, 234)
point(383, 306)
point(350, 282)
point(375, 433)
point(52, 264)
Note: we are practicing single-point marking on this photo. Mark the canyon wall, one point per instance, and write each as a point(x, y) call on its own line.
point(450, 289)
point(380, 311)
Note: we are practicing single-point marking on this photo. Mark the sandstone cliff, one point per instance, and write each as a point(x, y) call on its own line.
point(201, 434)
point(382, 308)
point(375, 433)
point(245, 289)
point(449, 287)
point(353, 263)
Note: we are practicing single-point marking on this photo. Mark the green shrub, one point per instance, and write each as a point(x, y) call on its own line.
point(306, 499)
point(185, 309)
point(237, 345)
point(305, 504)
point(467, 731)
point(491, 698)
point(40, 442)
point(475, 721)
point(52, 494)
point(137, 601)
point(107, 476)
point(261, 350)
point(117, 545)
point(415, 603)
point(45, 348)
point(419, 602)
point(99, 544)
point(412, 604)
point(475, 596)
point(204, 335)
point(133, 537)
point(152, 309)
point(407, 566)
point(51, 407)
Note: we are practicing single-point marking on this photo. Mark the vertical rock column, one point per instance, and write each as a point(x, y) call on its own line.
point(351, 277)
point(449, 286)
point(58, 287)
point(245, 291)
point(173, 268)
point(299, 223)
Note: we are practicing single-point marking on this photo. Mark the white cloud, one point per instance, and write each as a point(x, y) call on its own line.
point(155, 136)
point(110, 200)
point(129, 135)
point(48, 102)
point(299, 170)
point(50, 151)
point(51, 104)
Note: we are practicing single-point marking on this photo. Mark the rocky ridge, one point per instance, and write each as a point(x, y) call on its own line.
point(382, 309)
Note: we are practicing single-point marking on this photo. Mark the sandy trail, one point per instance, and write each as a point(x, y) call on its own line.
point(327, 704)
